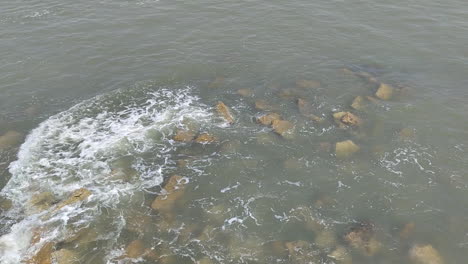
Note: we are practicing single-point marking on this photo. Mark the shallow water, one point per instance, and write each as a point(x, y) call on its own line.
point(101, 87)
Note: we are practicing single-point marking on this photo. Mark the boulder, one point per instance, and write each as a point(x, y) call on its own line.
point(425, 254)
point(135, 249)
point(359, 103)
point(172, 192)
point(205, 138)
point(308, 84)
point(384, 92)
point(10, 139)
point(65, 256)
point(245, 92)
point(345, 149)
point(217, 82)
point(225, 112)
point(184, 136)
point(283, 128)
point(268, 119)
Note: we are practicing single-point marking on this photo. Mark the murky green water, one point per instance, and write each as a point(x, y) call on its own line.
point(102, 88)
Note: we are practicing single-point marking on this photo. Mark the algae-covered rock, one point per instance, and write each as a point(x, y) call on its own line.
point(345, 149)
point(205, 138)
point(385, 92)
point(172, 191)
point(359, 103)
point(425, 254)
point(283, 128)
point(308, 84)
point(245, 92)
point(184, 136)
point(65, 256)
point(225, 112)
point(268, 119)
point(10, 139)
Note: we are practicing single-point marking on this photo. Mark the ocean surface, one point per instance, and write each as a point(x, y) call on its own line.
point(102, 105)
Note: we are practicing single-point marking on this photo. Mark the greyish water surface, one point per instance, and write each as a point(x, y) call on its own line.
point(101, 87)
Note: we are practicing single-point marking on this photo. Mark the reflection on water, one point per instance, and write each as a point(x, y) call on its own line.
point(288, 173)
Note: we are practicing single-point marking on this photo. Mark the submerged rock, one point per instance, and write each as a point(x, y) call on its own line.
point(42, 201)
point(268, 119)
point(301, 252)
point(135, 249)
point(325, 239)
point(345, 149)
point(172, 192)
point(406, 134)
point(184, 136)
point(276, 248)
point(263, 105)
point(283, 128)
point(359, 103)
point(77, 196)
point(225, 112)
point(384, 92)
point(205, 138)
point(5, 204)
point(308, 84)
point(407, 230)
point(43, 256)
point(362, 238)
point(372, 99)
point(341, 255)
point(306, 110)
point(65, 256)
point(425, 254)
point(205, 260)
point(217, 82)
point(245, 92)
point(10, 139)
point(347, 119)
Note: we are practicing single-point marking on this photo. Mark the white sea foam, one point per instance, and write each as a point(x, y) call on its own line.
point(77, 148)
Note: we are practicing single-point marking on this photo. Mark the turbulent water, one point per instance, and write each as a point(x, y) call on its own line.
point(93, 94)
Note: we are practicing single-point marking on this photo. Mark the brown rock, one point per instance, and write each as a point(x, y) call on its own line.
point(5, 204)
point(308, 84)
point(184, 136)
point(325, 239)
point(268, 119)
point(341, 255)
point(282, 127)
point(372, 99)
point(10, 139)
point(43, 256)
point(65, 256)
point(218, 81)
point(425, 254)
point(205, 138)
point(245, 92)
point(276, 248)
point(384, 92)
point(359, 103)
point(173, 191)
point(225, 112)
point(301, 252)
point(42, 201)
point(205, 260)
point(345, 149)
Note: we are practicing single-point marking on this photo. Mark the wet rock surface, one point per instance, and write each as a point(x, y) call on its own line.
point(425, 254)
point(225, 112)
